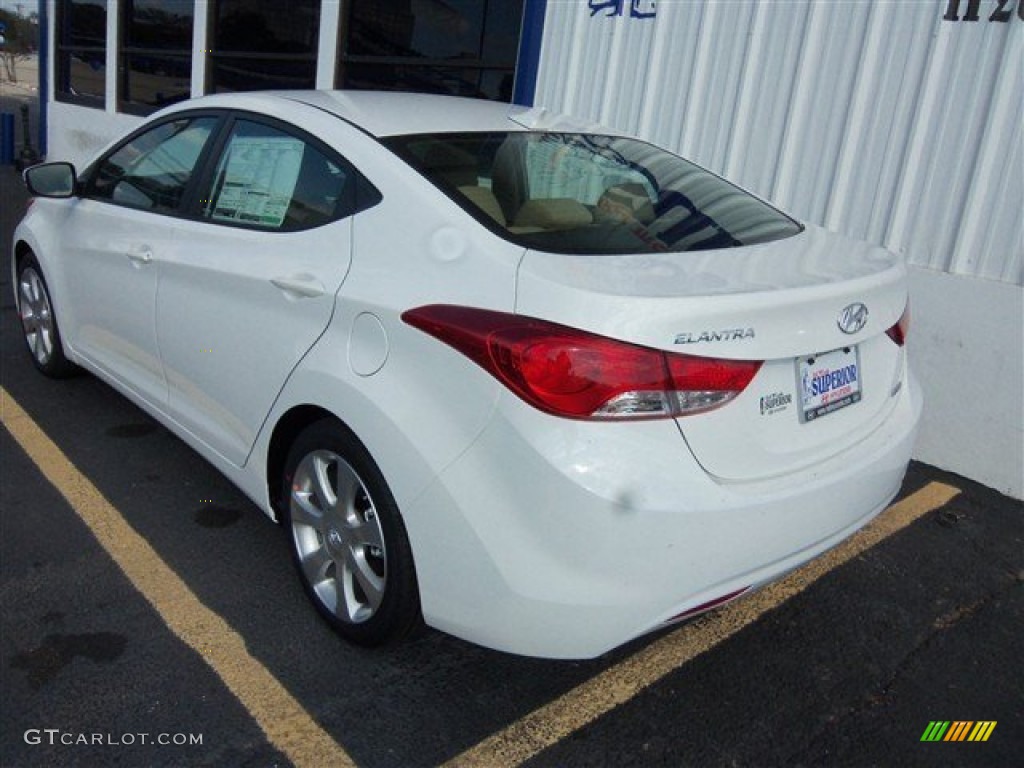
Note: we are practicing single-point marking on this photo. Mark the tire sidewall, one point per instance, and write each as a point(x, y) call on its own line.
point(58, 366)
point(399, 612)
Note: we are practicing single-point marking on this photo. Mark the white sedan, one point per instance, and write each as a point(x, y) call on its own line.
point(539, 385)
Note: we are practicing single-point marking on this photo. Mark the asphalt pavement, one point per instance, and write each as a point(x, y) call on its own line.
point(98, 666)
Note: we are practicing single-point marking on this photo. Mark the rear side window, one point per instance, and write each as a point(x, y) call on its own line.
point(152, 170)
point(583, 193)
point(271, 179)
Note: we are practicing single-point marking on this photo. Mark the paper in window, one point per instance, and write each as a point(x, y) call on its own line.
point(259, 175)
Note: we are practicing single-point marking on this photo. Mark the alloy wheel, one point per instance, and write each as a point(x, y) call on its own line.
point(338, 538)
point(36, 316)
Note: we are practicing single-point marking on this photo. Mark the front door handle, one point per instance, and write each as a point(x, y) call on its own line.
point(300, 286)
point(141, 256)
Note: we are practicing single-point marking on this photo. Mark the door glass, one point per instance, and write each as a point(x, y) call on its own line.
point(152, 170)
point(272, 179)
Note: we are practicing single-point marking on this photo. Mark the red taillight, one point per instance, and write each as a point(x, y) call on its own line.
point(580, 375)
point(898, 332)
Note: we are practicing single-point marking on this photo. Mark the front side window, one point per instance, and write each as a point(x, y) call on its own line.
point(264, 45)
point(582, 193)
point(272, 179)
point(153, 169)
point(82, 51)
point(156, 53)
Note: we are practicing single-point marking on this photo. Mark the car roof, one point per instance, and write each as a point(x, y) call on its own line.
point(392, 113)
point(389, 113)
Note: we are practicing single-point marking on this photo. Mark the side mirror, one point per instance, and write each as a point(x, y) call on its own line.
point(51, 180)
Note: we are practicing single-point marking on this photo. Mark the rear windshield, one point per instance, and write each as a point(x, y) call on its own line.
point(583, 193)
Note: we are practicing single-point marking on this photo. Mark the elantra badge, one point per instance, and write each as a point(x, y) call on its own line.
point(853, 318)
point(728, 334)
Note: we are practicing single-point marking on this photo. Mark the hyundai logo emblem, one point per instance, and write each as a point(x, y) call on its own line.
point(853, 318)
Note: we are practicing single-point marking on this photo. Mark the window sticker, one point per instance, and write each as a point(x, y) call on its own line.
point(259, 175)
point(558, 169)
point(570, 167)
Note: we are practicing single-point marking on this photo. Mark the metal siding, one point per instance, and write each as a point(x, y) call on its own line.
point(878, 119)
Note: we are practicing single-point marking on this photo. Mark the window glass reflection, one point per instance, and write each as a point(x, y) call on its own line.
point(81, 51)
point(231, 74)
point(267, 26)
point(153, 169)
point(156, 81)
point(260, 44)
point(82, 73)
point(156, 53)
point(85, 23)
point(459, 47)
point(163, 24)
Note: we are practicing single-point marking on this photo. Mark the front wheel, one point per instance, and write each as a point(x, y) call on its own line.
point(39, 322)
point(347, 537)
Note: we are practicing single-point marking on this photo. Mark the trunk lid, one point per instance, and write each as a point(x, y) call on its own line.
point(779, 302)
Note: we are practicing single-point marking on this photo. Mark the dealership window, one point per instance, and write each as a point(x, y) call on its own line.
point(82, 51)
point(459, 47)
point(156, 53)
point(260, 44)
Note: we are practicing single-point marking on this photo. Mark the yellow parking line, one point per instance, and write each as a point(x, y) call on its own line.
point(286, 723)
point(582, 705)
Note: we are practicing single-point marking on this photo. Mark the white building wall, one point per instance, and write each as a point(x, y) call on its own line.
point(878, 119)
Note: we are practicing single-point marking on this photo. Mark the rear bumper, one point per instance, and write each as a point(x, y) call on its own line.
point(566, 539)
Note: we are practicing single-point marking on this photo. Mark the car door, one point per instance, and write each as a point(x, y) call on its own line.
point(252, 281)
point(113, 241)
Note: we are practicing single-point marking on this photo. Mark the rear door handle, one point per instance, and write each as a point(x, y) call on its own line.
point(299, 286)
point(142, 256)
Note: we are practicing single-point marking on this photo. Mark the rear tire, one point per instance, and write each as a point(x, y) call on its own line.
point(39, 321)
point(347, 537)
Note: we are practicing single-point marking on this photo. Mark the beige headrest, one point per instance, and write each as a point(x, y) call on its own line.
point(553, 213)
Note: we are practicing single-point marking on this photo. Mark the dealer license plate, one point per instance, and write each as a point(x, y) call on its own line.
point(828, 382)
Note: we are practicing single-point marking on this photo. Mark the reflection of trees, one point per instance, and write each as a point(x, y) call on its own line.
point(158, 44)
point(159, 28)
point(87, 25)
point(285, 27)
